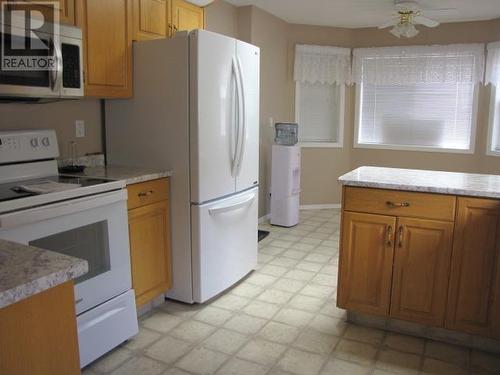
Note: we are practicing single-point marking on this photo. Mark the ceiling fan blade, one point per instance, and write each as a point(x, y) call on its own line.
point(425, 21)
point(389, 23)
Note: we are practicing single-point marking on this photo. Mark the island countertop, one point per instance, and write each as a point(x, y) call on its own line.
point(27, 270)
point(131, 175)
point(467, 184)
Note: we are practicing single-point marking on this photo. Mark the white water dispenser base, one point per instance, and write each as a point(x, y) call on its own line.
point(285, 185)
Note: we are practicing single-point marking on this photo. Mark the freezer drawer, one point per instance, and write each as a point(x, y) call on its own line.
point(224, 243)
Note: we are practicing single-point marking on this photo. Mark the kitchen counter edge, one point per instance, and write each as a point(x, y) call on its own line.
point(131, 175)
point(425, 181)
point(27, 270)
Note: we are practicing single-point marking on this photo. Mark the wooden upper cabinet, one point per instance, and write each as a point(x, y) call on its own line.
point(107, 33)
point(421, 270)
point(151, 19)
point(474, 296)
point(187, 16)
point(366, 262)
point(66, 10)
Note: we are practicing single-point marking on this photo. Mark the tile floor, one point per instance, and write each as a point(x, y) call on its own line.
point(282, 320)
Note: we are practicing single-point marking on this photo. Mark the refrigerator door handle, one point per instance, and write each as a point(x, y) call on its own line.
point(232, 206)
point(243, 131)
point(240, 122)
point(234, 146)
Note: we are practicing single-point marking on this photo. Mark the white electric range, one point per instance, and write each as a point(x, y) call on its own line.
point(78, 216)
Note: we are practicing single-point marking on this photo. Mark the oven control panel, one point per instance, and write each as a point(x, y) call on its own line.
point(27, 145)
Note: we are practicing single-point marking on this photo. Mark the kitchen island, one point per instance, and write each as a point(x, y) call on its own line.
point(422, 247)
point(37, 311)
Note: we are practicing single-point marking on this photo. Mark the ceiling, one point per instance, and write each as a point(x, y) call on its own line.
point(369, 13)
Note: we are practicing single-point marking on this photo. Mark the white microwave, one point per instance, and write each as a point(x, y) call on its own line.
point(63, 80)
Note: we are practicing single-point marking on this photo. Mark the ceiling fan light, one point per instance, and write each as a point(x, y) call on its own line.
point(404, 29)
point(395, 31)
point(410, 31)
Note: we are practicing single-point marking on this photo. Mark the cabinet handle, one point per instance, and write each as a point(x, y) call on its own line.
point(145, 193)
point(400, 235)
point(389, 236)
point(397, 204)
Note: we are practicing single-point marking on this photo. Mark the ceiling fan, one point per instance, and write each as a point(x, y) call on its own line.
point(408, 14)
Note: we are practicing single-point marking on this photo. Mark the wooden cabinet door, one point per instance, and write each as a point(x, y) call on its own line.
point(66, 10)
point(366, 262)
point(150, 19)
point(422, 258)
point(149, 230)
point(474, 296)
point(39, 334)
point(106, 27)
point(187, 16)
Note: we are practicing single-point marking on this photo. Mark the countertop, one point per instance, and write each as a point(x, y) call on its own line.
point(131, 175)
point(467, 184)
point(27, 270)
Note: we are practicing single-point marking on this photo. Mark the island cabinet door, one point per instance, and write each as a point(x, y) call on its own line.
point(422, 259)
point(366, 259)
point(474, 296)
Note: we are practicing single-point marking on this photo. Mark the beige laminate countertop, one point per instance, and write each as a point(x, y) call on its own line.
point(27, 270)
point(131, 175)
point(466, 184)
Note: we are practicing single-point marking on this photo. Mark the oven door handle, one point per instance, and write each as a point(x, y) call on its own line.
point(51, 211)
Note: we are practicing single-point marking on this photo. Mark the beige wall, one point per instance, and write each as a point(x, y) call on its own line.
point(222, 18)
point(60, 116)
point(270, 34)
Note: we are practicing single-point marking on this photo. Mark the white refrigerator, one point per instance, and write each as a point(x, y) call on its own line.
point(195, 111)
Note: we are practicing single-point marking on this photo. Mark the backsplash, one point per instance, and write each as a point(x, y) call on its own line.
point(60, 116)
point(94, 160)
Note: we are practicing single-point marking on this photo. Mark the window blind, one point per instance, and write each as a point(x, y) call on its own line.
point(418, 97)
point(319, 108)
point(493, 77)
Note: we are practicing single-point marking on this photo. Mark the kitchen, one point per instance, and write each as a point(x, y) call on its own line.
point(284, 316)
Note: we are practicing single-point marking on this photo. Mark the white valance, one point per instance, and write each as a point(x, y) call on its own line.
point(493, 64)
point(322, 64)
point(419, 64)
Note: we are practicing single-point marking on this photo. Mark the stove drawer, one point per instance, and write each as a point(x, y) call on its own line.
point(149, 192)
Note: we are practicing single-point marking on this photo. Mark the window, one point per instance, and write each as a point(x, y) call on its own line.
point(319, 111)
point(320, 74)
point(493, 77)
point(417, 98)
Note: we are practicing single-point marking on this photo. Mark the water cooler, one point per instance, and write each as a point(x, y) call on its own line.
point(285, 180)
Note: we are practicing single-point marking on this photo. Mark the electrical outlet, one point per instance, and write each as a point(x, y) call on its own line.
point(80, 128)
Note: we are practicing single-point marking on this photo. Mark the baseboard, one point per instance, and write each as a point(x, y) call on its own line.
point(264, 218)
point(319, 206)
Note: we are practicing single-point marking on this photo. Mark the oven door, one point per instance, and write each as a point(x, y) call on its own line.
point(93, 228)
point(31, 83)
